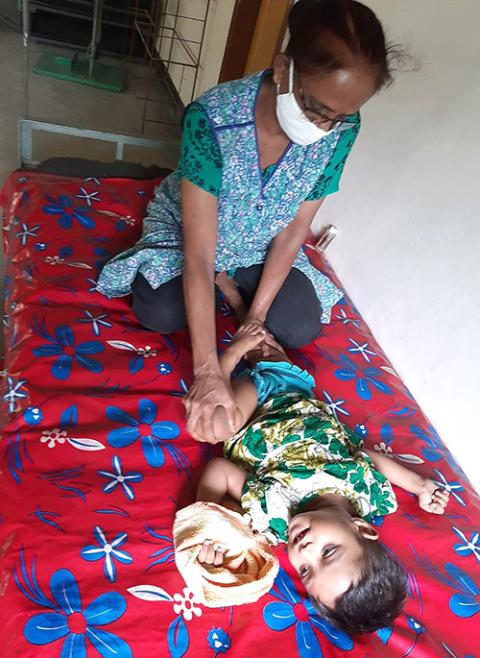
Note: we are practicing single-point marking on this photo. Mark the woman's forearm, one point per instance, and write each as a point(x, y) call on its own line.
point(199, 294)
point(280, 258)
point(199, 213)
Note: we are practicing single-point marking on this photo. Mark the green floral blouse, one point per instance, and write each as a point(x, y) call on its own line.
point(294, 450)
point(201, 159)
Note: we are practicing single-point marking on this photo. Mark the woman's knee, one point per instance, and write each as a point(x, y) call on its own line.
point(295, 315)
point(161, 310)
point(296, 333)
point(163, 320)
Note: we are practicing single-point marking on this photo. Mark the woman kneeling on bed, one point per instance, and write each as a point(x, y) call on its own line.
point(305, 479)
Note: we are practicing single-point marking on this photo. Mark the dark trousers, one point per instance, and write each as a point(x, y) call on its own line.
point(293, 318)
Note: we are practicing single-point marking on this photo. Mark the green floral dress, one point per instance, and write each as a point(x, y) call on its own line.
point(294, 450)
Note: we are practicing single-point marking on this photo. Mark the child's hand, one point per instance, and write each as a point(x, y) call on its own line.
point(211, 553)
point(433, 498)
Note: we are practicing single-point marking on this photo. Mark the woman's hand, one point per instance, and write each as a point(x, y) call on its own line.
point(432, 498)
point(209, 391)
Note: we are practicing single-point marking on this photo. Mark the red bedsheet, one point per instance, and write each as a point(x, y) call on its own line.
point(95, 460)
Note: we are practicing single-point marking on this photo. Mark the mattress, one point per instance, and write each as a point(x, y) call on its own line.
point(95, 461)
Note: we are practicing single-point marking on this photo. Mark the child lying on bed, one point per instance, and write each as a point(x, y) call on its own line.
point(305, 479)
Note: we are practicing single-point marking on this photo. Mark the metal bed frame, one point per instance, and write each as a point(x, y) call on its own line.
point(28, 126)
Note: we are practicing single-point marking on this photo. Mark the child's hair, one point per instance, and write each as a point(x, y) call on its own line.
point(375, 600)
point(313, 24)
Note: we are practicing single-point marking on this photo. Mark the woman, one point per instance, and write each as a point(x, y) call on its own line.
point(259, 156)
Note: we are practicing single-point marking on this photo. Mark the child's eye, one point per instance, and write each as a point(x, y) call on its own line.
point(328, 551)
point(304, 570)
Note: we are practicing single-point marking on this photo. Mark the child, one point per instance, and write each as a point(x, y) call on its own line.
point(305, 479)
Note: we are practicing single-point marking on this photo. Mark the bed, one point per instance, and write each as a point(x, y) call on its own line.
point(95, 461)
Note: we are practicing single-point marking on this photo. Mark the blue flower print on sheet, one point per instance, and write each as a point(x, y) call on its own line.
point(27, 232)
point(467, 546)
point(346, 319)
point(118, 478)
point(166, 554)
point(418, 629)
point(64, 348)
point(137, 362)
point(67, 212)
point(291, 610)
point(467, 603)
point(66, 619)
point(335, 407)
point(464, 604)
point(218, 640)
point(96, 321)
point(361, 349)
point(365, 378)
point(451, 486)
point(88, 197)
point(33, 416)
point(434, 449)
point(15, 391)
point(108, 551)
point(154, 435)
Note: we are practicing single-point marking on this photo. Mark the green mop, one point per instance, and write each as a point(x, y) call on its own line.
point(85, 70)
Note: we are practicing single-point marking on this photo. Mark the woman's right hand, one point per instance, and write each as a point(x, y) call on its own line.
point(209, 391)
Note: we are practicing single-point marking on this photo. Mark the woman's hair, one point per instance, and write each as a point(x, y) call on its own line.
point(375, 600)
point(314, 24)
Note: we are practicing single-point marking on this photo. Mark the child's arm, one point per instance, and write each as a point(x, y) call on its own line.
point(431, 498)
point(221, 478)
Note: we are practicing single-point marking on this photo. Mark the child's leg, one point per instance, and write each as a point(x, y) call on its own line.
point(259, 346)
point(246, 398)
point(244, 390)
point(268, 350)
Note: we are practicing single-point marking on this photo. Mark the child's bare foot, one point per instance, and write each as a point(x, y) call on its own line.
point(433, 498)
point(246, 339)
point(267, 350)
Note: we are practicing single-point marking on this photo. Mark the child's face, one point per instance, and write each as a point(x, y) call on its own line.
point(323, 548)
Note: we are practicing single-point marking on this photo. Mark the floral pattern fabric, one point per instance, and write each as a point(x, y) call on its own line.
point(201, 159)
point(294, 450)
point(95, 463)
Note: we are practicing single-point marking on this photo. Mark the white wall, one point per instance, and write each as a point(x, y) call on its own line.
point(408, 210)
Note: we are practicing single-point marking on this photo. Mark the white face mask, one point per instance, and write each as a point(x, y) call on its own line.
point(291, 118)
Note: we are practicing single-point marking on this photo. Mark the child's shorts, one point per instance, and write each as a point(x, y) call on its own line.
point(278, 377)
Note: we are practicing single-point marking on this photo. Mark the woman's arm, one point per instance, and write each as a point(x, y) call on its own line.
point(431, 497)
point(209, 390)
point(281, 256)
